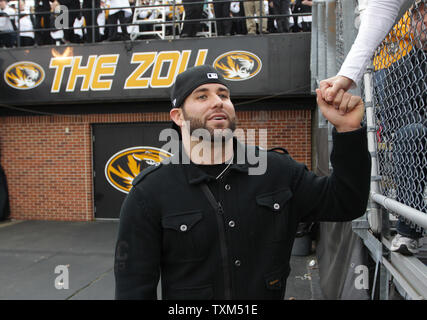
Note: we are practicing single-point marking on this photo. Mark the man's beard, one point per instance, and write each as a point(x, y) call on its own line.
point(223, 133)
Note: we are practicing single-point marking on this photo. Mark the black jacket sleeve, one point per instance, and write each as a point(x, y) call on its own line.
point(137, 255)
point(343, 195)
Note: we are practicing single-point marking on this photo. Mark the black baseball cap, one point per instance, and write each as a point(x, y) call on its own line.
point(192, 78)
point(187, 81)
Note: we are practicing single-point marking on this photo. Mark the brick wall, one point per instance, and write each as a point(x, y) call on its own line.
point(49, 171)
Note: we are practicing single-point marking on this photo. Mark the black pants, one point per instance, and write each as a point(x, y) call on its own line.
point(43, 21)
point(89, 24)
point(281, 7)
point(222, 10)
point(26, 41)
point(7, 39)
point(114, 19)
point(306, 26)
point(69, 34)
point(192, 11)
point(238, 25)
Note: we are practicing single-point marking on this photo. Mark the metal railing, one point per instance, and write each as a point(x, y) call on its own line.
point(164, 9)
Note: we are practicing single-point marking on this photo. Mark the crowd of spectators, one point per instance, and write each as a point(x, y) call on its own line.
point(46, 22)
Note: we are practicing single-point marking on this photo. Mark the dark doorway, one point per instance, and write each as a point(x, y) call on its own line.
point(120, 152)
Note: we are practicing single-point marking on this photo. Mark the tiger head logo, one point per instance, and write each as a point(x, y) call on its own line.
point(24, 75)
point(126, 164)
point(238, 65)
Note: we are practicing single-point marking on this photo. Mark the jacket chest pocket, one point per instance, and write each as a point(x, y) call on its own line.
point(183, 236)
point(273, 214)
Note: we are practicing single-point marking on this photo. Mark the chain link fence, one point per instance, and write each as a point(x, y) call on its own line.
point(397, 95)
point(399, 100)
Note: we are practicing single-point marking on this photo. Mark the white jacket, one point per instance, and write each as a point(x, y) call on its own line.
point(378, 17)
point(26, 25)
point(5, 22)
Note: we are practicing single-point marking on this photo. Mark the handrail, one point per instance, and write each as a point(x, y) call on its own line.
point(416, 216)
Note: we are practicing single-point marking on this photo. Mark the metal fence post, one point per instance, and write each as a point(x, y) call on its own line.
point(93, 21)
point(373, 211)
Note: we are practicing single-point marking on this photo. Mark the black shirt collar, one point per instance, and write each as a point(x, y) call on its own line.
point(195, 175)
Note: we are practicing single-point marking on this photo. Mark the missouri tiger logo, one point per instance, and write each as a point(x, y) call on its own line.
point(126, 164)
point(24, 75)
point(238, 65)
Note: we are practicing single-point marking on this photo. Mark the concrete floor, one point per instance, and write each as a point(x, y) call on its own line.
point(30, 251)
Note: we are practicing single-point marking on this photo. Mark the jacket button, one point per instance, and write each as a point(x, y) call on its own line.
point(183, 228)
point(276, 206)
point(237, 263)
point(227, 187)
point(231, 224)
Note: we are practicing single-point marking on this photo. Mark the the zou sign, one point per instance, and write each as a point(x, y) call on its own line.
point(144, 71)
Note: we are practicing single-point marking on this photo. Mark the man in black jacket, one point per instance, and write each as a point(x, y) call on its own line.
point(216, 226)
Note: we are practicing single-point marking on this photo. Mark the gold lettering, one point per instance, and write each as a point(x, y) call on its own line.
point(78, 71)
point(105, 66)
point(145, 60)
point(59, 64)
point(201, 57)
point(160, 82)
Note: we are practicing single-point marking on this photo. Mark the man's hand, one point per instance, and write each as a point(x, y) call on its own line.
point(330, 87)
point(347, 116)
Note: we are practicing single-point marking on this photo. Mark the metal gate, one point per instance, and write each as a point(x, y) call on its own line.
point(120, 153)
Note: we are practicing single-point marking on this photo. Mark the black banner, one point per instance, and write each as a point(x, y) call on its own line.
point(146, 70)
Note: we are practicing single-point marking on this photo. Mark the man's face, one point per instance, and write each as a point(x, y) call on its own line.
point(209, 107)
point(3, 4)
point(419, 26)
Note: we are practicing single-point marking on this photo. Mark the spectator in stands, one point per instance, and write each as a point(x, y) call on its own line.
point(379, 17)
point(271, 21)
point(281, 7)
point(410, 141)
point(56, 36)
point(222, 10)
point(89, 17)
point(238, 25)
point(148, 13)
point(302, 23)
point(101, 19)
point(169, 11)
point(79, 29)
point(192, 11)
point(115, 15)
point(43, 21)
point(252, 7)
point(74, 12)
point(26, 27)
point(7, 25)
